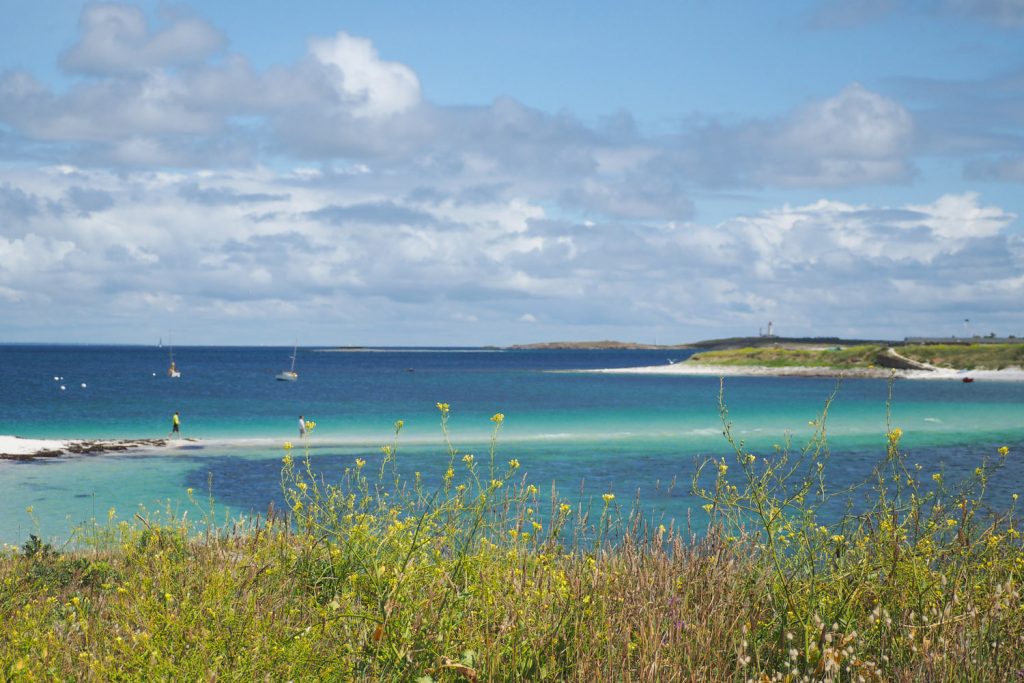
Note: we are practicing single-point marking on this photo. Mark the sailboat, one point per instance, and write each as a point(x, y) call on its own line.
point(289, 375)
point(173, 372)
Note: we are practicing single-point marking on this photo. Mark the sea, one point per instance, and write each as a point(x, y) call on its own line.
point(638, 436)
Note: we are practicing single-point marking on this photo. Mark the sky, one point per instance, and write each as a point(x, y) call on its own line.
point(460, 174)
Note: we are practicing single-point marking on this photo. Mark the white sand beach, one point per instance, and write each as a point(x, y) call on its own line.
point(700, 369)
point(17, 448)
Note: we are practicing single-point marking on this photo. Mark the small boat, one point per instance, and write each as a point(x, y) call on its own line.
point(967, 380)
point(289, 375)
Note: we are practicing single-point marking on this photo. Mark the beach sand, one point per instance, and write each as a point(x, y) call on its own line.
point(704, 370)
point(17, 448)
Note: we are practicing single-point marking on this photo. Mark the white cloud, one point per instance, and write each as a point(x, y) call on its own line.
point(370, 86)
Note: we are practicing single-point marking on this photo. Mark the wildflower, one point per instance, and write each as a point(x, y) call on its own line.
point(468, 458)
point(1004, 451)
point(168, 598)
point(443, 407)
point(894, 435)
point(531, 490)
point(1015, 496)
point(565, 508)
point(399, 424)
point(449, 474)
point(498, 418)
point(937, 477)
point(297, 506)
point(608, 497)
point(722, 469)
point(310, 425)
point(287, 459)
point(496, 483)
point(189, 490)
point(359, 463)
point(537, 526)
point(513, 464)
point(708, 508)
point(287, 445)
point(951, 522)
point(751, 458)
point(838, 538)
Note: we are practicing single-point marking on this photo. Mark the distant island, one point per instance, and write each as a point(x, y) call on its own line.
point(828, 356)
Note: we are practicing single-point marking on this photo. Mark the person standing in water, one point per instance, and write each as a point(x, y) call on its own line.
point(175, 425)
point(302, 427)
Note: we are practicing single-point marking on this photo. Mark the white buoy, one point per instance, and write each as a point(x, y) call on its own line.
point(56, 378)
point(83, 385)
point(62, 387)
point(154, 374)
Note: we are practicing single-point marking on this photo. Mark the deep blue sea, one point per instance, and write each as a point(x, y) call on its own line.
point(589, 433)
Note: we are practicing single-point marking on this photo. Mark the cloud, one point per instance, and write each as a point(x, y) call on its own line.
point(841, 14)
point(116, 39)
point(479, 263)
point(368, 86)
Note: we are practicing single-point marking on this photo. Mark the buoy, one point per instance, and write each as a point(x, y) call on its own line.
point(56, 378)
point(83, 385)
point(62, 387)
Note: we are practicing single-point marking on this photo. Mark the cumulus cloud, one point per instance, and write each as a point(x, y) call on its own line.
point(116, 39)
point(180, 241)
point(369, 86)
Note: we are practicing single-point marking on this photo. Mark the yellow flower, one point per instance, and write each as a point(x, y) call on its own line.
point(399, 424)
point(1004, 451)
point(838, 538)
point(443, 407)
point(310, 425)
point(513, 464)
point(168, 597)
point(449, 474)
point(722, 469)
point(950, 522)
point(498, 418)
point(287, 460)
point(287, 445)
point(468, 458)
point(537, 526)
point(531, 490)
point(359, 463)
point(565, 508)
point(895, 435)
point(608, 497)
point(709, 507)
point(297, 506)
point(937, 477)
point(496, 483)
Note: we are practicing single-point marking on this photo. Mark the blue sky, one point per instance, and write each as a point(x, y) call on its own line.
point(483, 173)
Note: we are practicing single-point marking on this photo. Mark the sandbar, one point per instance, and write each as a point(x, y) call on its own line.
point(17, 448)
point(1014, 374)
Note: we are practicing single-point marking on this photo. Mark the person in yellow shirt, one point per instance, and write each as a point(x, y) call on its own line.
point(175, 425)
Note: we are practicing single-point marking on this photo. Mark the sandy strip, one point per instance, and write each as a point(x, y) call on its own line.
point(17, 448)
point(703, 370)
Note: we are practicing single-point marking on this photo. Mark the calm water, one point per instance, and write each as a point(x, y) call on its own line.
point(630, 434)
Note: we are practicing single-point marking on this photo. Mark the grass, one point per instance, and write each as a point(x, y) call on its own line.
point(771, 356)
point(481, 577)
point(954, 356)
point(968, 357)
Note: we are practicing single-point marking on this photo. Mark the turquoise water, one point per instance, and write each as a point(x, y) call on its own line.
point(589, 432)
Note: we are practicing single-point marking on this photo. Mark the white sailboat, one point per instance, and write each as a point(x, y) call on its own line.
point(289, 375)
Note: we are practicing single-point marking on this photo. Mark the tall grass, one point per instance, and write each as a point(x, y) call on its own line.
point(480, 576)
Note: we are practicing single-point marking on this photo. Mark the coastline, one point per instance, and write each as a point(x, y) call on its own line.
point(17, 448)
point(704, 370)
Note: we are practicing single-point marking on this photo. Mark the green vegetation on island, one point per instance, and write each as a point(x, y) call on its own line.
point(480, 576)
point(952, 356)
